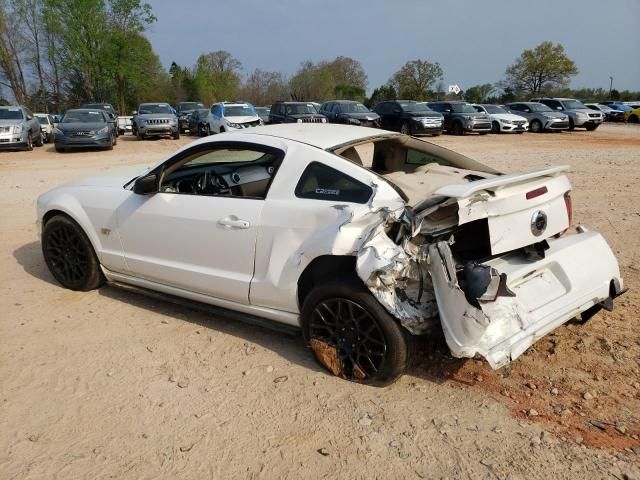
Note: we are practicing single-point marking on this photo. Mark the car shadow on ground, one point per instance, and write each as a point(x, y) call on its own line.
point(430, 358)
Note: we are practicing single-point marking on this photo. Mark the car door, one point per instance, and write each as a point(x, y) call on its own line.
point(199, 242)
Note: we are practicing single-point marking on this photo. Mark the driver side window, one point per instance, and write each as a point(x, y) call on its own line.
point(229, 170)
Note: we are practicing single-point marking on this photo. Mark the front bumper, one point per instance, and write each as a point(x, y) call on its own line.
point(556, 124)
point(421, 128)
point(587, 122)
point(483, 126)
point(13, 140)
point(96, 141)
point(159, 130)
point(578, 272)
point(512, 127)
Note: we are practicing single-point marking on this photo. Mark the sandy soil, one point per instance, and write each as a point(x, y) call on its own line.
point(111, 384)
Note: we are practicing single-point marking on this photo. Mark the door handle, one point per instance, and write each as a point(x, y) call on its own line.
point(234, 222)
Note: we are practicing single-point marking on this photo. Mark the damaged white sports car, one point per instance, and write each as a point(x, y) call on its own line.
point(356, 235)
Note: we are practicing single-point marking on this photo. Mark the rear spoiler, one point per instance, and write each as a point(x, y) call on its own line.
point(468, 189)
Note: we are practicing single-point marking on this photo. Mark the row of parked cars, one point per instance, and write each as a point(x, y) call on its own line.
point(97, 125)
point(410, 117)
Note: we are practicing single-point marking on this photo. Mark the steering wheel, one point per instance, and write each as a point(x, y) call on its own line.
point(218, 181)
point(209, 182)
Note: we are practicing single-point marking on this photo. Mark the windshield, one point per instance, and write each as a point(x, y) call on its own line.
point(239, 111)
point(185, 106)
point(494, 109)
point(79, 116)
point(154, 108)
point(299, 109)
point(414, 107)
point(462, 108)
point(262, 110)
point(43, 120)
point(353, 108)
point(573, 104)
point(100, 106)
point(624, 108)
point(10, 114)
point(538, 107)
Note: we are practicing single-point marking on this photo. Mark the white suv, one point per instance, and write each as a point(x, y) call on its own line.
point(226, 116)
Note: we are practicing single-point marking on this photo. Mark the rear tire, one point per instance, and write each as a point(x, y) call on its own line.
point(69, 255)
point(40, 141)
point(352, 335)
point(536, 126)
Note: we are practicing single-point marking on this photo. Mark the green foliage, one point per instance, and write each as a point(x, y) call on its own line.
point(540, 70)
point(478, 93)
point(380, 94)
point(416, 79)
point(341, 78)
point(217, 76)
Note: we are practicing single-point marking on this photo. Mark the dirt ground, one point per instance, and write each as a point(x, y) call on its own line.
point(112, 384)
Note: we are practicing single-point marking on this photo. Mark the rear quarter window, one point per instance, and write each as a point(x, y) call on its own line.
point(416, 157)
point(320, 182)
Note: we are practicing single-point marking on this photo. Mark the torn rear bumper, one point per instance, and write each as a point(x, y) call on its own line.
point(577, 272)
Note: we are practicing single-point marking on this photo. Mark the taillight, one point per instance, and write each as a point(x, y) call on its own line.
point(569, 204)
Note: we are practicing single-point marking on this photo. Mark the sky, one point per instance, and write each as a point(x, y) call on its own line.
point(474, 41)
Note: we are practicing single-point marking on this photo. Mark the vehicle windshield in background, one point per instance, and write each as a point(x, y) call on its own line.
point(415, 107)
point(43, 120)
point(494, 109)
point(203, 112)
point(83, 117)
point(151, 109)
point(190, 106)
point(300, 109)
point(539, 107)
point(108, 108)
point(239, 111)
point(354, 108)
point(10, 114)
point(573, 104)
point(263, 110)
point(462, 108)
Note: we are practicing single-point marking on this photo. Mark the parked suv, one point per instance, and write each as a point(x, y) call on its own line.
point(197, 120)
point(579, 114)
point(226, 116)
point(461, 117)
point(409, 117)
point(295, 112)
point(541, 118)
point(350, 113)
point(610, 114)
point(19, 128)
point(184, 111)
point(156, 120)
point(107, 107)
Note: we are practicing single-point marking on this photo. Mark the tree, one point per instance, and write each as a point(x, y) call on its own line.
point(416, 79)
point(539, 70)
point(264, 88)
point(346, 71)
point(11, 47)
point(217, 76)
point(380, 94)
point(312, 82)
point(479, 93)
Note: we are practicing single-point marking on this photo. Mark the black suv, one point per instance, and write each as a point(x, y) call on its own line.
point(409, 117)
point(197, 121)
point(295, 112)
point(184, 111)
point(107, 107)
point(460, 117)
point(350, 113)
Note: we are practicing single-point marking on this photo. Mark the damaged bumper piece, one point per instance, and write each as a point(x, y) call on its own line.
point(521, 300)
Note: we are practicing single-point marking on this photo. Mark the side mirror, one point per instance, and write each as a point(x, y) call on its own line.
point(558, 108)
point(146, 185)
point(526, 110)
point(397, 110)
point(135, 112)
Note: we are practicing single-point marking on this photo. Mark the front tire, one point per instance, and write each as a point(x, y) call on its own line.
point(352, 335)
point(29, 146)
point(456, 128)
point(591, 128)
point(176, 135)
point(572, 126)
point(40, 141)
point(536, 126)
point(495, 127)
point(634, 118)
point(69, 255)
point(140, 136)
point(405, 128)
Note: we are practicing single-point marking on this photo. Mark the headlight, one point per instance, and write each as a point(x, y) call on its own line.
point(353, 121)
point(103, 130)
point(173, 121)
point(468, 117)
point(140, 121)
point(18, 128)
point(582, 115)
point(57, 131)
point(505, 121)
point(324, 120)
point(299, 120)
point(233, 125)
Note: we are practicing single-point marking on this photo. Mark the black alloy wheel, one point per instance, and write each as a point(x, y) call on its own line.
point(69, 255)
point(352, 335)
point(495, 127)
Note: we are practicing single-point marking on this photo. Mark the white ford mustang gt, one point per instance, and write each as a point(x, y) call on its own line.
point(361, 237)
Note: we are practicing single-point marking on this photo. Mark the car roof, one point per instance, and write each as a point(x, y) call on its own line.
point(324, 136)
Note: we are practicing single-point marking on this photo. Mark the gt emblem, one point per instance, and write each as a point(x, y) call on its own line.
point(538, 223)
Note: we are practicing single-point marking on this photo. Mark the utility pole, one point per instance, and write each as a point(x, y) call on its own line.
point(610, 86)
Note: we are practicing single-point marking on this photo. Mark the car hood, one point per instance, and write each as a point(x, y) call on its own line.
point(361, 116)
point(306, 115)
point(243, 118)
point(115, 178)
point(507, 116)
point(80, 127)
